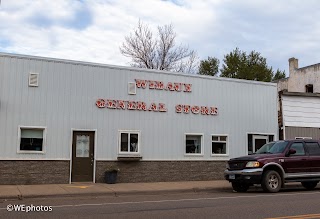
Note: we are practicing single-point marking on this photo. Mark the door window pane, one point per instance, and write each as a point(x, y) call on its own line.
point(82, 145)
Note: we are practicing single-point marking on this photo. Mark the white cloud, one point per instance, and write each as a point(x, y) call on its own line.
point(93, 30)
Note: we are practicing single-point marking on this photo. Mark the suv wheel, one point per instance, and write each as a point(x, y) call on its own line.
point(271, 181)
point(240, 187)
point(309, 185)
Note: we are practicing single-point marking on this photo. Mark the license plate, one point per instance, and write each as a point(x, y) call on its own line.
point(232, 176)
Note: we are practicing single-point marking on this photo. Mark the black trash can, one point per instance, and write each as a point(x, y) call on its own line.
point(110, 177)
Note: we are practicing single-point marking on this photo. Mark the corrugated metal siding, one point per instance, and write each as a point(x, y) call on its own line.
point(301, 111)
point(65, 100)
point(293, 132)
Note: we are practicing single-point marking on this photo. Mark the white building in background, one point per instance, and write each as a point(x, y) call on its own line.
point(64, 121)
point(299, 102)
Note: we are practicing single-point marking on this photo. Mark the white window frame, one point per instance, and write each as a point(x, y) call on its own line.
point(300, 138)
point(129, 132)
point(219, 141)
point(185, 145)
point(275, 137)
point(44, 139)
point(262, 137)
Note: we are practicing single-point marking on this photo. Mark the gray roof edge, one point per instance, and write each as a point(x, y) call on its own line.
point(308, 66)
point(2, 54)
point(286, 93)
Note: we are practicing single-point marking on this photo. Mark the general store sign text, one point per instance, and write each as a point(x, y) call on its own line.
point(155, 107)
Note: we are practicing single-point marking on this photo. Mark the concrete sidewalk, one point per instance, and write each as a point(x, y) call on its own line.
point(77, 189)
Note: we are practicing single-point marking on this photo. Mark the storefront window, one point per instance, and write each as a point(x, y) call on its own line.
point(31, 139)
point(256, 141)
point(219, 145)
point(129, 141)
point(193, 144)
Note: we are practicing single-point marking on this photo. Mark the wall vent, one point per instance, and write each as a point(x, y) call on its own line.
point(33, 79)
point(132, 89)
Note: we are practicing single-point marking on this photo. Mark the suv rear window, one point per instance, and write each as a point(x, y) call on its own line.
point(313, 148)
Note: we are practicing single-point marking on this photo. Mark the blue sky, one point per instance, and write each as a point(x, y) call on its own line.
point(93, 30)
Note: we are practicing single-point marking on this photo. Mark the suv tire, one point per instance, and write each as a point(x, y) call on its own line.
point(240, 187)
point(309, 184)
point(271, 181)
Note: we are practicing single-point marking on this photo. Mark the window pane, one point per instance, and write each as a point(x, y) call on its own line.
point(193, 144)
point(223, 138)
point(124, 142)
point(270, 138)
point(313, 148)
point(31, 144)
point(31, 133)
point(215, 138)
point(134, 142)
point(31, 140)
point(299, 148)
point(219, 148)
point(250, 148)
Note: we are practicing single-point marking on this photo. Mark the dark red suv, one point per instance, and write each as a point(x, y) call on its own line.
point(275, 164)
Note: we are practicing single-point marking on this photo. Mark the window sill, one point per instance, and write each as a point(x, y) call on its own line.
point(193, 155)
point(219, 155)
point(30, 152)
point(129, 157)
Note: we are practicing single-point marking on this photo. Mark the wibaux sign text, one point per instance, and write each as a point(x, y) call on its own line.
point(159, 85)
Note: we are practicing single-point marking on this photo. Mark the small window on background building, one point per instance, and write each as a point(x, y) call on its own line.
point(193, 144)
point(309, 88)
point(219, 145)
point(129, 142)
point(31, 139)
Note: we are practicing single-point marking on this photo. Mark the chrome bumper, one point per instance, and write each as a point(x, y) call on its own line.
point(250, 172)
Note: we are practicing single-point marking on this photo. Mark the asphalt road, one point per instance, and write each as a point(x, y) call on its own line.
point(288, 203)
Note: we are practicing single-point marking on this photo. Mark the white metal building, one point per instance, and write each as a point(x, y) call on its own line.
point(63, 121)
point(299, 102)
point(300, 115)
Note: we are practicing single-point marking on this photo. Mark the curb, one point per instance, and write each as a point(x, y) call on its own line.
point(119, 193)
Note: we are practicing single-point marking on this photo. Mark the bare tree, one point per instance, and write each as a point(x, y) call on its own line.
point(160, 52)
